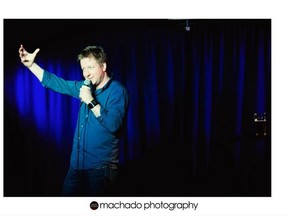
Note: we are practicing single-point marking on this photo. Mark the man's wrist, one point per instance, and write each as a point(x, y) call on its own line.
point(92, 104)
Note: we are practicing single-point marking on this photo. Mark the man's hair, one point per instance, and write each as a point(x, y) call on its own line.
point(93, 51)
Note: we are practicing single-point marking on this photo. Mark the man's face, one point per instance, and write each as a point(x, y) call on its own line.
point(92, 70)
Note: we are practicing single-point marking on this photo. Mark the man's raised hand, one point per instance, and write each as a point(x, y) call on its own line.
point(27, 58)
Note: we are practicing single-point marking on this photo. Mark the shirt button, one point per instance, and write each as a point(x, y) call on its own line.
point(82, 126)
point(79, 137)
point(86, 116)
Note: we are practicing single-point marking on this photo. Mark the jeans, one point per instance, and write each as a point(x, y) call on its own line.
point(90, 182)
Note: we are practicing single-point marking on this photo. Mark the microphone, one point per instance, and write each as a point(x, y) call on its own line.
point(87, 83)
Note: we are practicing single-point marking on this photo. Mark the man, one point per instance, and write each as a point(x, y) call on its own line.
point(104, 103)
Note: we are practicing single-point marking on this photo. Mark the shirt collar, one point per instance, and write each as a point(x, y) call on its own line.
point(106, 85)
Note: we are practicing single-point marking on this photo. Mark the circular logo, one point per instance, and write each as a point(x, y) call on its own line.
point(94, 205)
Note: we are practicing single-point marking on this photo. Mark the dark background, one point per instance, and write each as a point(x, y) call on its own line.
point(190, 127)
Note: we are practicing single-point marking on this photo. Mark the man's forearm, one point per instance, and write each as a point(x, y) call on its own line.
point(96, 110)
point(37, 71)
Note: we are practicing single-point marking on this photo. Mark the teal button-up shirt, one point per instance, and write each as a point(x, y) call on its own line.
point(96, 139)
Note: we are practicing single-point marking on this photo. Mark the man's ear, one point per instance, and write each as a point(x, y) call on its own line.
point(104, 66)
